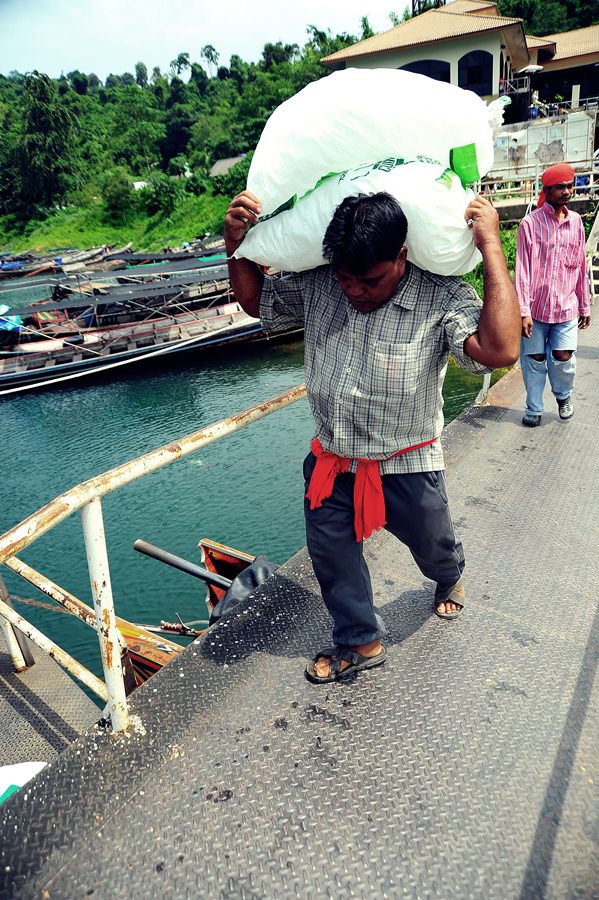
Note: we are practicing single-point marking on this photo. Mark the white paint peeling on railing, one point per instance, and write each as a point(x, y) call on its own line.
point(108, 635)
point(34, 526)
point(86, 497)
point(62, 658)
point(48, 587)
point(16, 654)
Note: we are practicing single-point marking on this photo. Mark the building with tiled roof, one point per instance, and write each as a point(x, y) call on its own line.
point(468, 43)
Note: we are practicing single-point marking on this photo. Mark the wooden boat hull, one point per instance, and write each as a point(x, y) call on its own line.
point(221, 560)
point(148, 653)
point(34, 368)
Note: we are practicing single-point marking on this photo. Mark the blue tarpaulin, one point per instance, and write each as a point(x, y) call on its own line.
point(9, 323)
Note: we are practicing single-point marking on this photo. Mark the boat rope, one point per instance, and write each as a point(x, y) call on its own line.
point(67, 343)
point(29, 601)
point(82, 347)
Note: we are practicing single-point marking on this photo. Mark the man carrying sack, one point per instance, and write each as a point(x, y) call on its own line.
point(378, 334)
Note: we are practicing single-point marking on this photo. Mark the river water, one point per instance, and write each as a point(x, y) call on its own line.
point(245, 490)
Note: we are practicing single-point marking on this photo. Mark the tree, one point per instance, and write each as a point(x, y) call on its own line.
point(367, 31)
point(199, 78)
point(118, 196)
point(179, 122)
point(162, 194)
point(323, 42)
point(160, 87)
point(138, 130)
point(178, 166)
point(396, 19)
point(78, 81)
point(274, 54)
point(180, 63)
point(47, 162)
point(235, 180)
point(238, 71)
point(211, 56)
point(9, 141)
point(543, 17)
point(141, 74)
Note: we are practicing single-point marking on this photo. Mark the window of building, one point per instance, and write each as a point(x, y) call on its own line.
point(475, 72)
point(434, 68)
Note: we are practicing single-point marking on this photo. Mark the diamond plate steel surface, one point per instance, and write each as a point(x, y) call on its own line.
point(42, 710)
point(466, 767)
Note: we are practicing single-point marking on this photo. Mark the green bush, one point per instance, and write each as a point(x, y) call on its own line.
point(235, 180)
point(196, 185)
point(509, 235)
point(119, 197)
point(162, 194)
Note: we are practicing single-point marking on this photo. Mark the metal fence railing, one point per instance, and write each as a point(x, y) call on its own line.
point(526, 185)
point(86, 497)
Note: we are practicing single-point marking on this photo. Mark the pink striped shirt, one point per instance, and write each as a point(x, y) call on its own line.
point(551, 273)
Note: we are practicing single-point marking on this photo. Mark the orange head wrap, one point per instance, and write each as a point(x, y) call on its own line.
point(555, 175)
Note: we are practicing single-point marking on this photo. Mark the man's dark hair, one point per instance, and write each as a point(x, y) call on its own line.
point(365, 230)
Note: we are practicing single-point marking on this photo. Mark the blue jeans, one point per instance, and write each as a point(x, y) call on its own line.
point(547, 337)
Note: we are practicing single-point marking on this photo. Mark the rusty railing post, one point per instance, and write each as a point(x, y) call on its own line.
point(99, 575)
point(20, 655)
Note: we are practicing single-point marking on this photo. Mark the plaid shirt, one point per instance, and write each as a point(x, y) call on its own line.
point(551, 271)
point(374, 379)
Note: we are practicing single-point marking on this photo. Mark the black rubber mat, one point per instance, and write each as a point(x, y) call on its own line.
point(466, 767)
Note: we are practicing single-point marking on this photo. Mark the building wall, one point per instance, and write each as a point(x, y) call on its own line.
point(446, 51)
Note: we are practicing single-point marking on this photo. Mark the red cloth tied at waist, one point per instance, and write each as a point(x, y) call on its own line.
point(369, 501)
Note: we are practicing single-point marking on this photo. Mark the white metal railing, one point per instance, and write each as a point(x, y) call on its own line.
point(515, 85)
point(592, 253)
point(552, 108)
point(86, 497)
point(524, 187)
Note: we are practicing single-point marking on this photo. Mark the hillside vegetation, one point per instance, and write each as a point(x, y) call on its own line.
point(72, 148)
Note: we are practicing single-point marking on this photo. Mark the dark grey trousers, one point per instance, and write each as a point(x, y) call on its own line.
point(417, 514)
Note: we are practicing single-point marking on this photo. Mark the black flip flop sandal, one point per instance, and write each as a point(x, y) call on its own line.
point(336, 655)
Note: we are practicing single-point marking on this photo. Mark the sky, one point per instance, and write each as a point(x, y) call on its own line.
point(103, 36)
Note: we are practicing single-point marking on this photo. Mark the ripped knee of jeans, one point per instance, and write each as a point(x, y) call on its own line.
point(562, 355)
point(538, 357)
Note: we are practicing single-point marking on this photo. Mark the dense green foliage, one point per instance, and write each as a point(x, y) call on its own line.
point(72, 148)
point(543, 17)
point(509, 237)
point(73, 145)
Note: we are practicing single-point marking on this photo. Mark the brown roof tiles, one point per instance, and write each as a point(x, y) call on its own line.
point(429, 27)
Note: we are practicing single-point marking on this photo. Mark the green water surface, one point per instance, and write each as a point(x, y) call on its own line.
point(245, 490)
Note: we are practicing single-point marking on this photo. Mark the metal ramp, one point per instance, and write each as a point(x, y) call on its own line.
point(42, 710)
point(466, 767)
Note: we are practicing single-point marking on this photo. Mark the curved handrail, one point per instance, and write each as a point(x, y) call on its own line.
point(38, 523)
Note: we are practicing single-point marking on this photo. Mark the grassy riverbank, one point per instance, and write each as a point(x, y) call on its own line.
point(82, 227)
point(86, 226)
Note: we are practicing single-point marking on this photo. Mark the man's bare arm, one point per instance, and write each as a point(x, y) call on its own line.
point(496, 343)
point(246, 278)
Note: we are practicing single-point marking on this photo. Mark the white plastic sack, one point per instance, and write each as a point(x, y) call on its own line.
point(357, 116)
point(431, 196)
